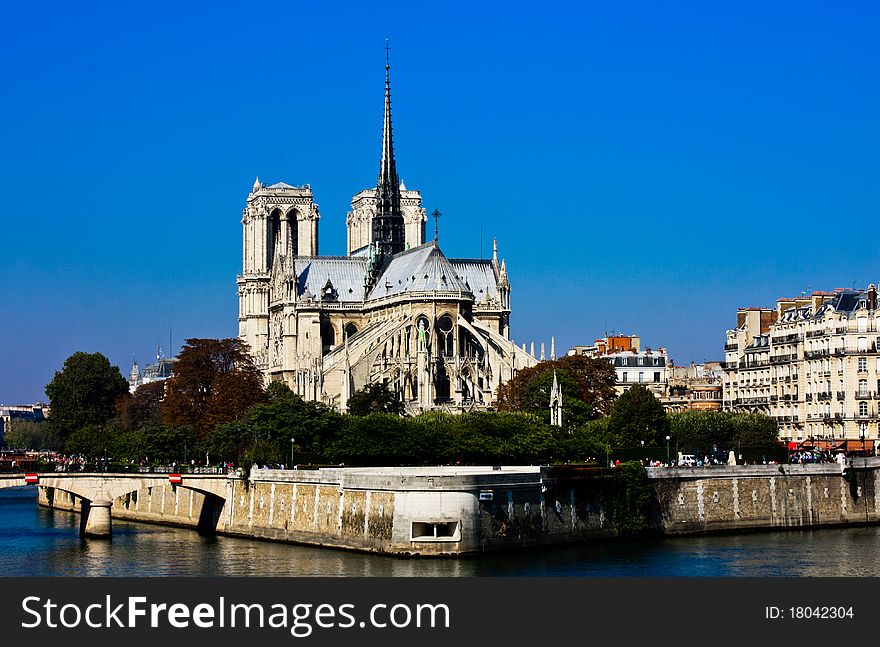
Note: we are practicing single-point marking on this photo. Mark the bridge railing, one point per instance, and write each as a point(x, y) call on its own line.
point(93, 467)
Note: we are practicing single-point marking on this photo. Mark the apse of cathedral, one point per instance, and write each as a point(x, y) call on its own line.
point(395, 310)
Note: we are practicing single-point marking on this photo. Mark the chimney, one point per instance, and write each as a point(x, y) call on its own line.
point(872, 297)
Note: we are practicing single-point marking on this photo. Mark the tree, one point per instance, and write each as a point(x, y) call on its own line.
point(701, 431)
point(272, 430)
point(83, 393)
point(637, 417)
point(374, 398)
point(28, 434)
point(142, 408)
point(214, 381)
point(587, 389)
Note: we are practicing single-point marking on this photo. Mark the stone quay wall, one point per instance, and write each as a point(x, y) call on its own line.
point(738, 498)
point(399, 511)
point(455, 511)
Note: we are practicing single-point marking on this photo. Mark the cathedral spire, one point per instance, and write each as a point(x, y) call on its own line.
point(388, 226)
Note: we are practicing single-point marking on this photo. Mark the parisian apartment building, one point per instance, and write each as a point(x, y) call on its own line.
point(632, 364)
point(812, 363)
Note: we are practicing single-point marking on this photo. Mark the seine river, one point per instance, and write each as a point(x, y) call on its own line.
point(39, 542)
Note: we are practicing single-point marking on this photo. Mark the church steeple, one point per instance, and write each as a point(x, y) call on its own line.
point(388, 225)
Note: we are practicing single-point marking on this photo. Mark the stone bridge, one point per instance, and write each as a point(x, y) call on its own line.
point(97, 491)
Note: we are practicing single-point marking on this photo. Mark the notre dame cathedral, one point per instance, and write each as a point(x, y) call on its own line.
point(396, 310)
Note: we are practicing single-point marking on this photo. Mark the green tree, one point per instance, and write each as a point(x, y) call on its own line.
point(587, 385)
point(374, 398)
point(273, 429)
point(637, 417)
point(214, 381)
point(27, 434)
point(700, 431)
point(95, 441)
point(587, 443)
point(84, 393)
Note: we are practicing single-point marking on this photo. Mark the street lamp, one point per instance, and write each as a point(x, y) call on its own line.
point(667, 449)
point(292, 441)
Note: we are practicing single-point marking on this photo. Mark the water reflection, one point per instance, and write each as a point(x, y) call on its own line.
point(39, 542)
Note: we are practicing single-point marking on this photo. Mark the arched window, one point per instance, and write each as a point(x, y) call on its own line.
point(292, 233)
point(441, 383)
point(273, 236)
point(445, 339)
point(350, 330)
point(863, 409)
point(328, 337)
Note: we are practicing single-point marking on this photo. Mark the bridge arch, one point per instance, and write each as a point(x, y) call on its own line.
point(98, 492)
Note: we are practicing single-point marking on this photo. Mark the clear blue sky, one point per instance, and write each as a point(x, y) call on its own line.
point(647, 167)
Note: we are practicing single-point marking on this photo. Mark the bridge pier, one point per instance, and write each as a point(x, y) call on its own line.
point(96, 521)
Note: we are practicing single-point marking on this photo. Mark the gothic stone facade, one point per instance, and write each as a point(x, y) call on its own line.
point(396, 310)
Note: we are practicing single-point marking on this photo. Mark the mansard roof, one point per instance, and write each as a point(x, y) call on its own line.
point(346, 273)
point(420, 269)
point(847, 301)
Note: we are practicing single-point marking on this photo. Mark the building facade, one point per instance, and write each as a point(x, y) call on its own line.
point(697, 387)
point(158, 372)
point(632, 365)
point(812, 363)
point(395, 310)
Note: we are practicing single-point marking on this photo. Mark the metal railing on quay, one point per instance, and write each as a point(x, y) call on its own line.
point(93, 467)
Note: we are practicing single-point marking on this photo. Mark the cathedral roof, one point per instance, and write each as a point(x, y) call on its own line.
point(420, 269)
point(281, 185)
point(477, 275)
point(345, 273)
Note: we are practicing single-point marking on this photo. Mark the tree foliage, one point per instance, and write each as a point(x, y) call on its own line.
point(700, 431)
point(84, 392)
point(637, 417)
point(215, 381)
point(142, 408)
point(587, 385)
point(28, 434)
point(374, 398)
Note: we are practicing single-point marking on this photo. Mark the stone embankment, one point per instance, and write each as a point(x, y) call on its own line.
point(455, 511)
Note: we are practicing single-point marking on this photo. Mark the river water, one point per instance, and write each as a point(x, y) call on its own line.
point(39, 542)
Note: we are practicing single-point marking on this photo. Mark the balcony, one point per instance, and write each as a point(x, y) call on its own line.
point(824, 395)
point(728, 365)
point(864, 395)
point(870, 349)
point(731, 347)
point(813, 354)
point(841, 395)
point(785, 398)
point(871, 327)
point(808, 397)
point(786, 339)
